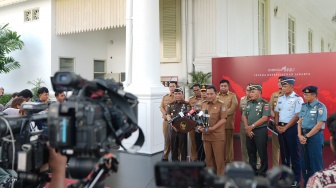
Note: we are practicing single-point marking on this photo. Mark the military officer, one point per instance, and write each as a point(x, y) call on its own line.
point(230, 100)
point(196, 103)
point(178, 140)
point(275, 140)
point(243, 103)
point(168, 98)
point(313, 116)
point(286, 118)
point(256, 115)
point(214, 135)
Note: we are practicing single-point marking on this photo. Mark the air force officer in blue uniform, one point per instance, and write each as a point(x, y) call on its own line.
point(311, 123)
point(286, 117)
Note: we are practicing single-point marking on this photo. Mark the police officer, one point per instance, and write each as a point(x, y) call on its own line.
point(214, 135)
point(243, 103)
point(275, 140)
point(312, 116)
point(196, 103)
point(256, 115)
point(168, 98)
point(178, 140)
point(286, 118)
point(230, 100)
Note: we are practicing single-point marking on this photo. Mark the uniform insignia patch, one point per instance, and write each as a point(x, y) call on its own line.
point(320, 110)
point(266, 107)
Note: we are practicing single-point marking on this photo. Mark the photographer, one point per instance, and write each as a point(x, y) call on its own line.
point(57, 164)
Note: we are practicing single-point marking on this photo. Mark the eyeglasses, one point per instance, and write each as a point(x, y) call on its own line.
point(195, 90)
point(248, 90)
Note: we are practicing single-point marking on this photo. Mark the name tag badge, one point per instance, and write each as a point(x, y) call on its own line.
point(313, 111)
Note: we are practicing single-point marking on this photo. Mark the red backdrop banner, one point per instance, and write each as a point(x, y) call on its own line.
point(317, 69)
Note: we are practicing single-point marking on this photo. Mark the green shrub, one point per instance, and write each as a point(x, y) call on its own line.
point(5, 98)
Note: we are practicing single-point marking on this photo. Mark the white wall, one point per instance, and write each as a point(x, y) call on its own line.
point(235, 32)
point(304, 19)
point(35, 56)
point(89, 46)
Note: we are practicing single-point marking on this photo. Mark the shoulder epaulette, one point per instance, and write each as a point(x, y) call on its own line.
point(296, 95)
point(319, 104)
point(264, 101)
point(242, 98)
point(166, 94)
point(191, 97)
point(220, 101)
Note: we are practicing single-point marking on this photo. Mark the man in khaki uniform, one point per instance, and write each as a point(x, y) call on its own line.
point(243, 103)
point(214, 135)
point(168, 98)
point(275, 140)
point(230, 100)
point(196, 103)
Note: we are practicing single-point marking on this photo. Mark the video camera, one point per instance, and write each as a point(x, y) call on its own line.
point(95, 118)
point(237, 175)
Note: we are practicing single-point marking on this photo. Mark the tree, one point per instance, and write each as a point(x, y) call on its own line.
point(9, 42)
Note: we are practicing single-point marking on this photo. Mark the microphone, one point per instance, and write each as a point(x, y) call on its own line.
point(180, 114)
point(206, 118)
point(191, 112)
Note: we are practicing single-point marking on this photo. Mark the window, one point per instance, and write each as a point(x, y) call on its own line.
point(310, 40)
point(170, 31)
point(98, 69)
point(291, 35)
point(262, 27)
point(67, 64)
point(322, 45)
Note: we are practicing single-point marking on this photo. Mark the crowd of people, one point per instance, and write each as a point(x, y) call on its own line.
point(297, 140)
point(57, 162)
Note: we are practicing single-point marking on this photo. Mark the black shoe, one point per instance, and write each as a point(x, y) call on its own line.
point(296, 184)
point(164, 160)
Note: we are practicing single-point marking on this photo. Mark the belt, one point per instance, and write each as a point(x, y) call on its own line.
point(308, 130)
point(282, 124)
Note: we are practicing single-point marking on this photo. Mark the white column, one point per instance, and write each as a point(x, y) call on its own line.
point(146, 83)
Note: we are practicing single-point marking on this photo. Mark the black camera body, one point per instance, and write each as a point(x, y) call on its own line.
point(98, 116)
point(90, 132)
point(237, 175)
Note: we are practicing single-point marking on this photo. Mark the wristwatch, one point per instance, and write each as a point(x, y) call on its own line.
point(305, 136)
point(253, 126)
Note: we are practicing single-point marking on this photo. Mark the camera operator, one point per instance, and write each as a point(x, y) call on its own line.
point(57, 164)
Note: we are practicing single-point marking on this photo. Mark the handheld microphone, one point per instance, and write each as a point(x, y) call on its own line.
point(191, 112)
point(180, 114)
point(206, 118)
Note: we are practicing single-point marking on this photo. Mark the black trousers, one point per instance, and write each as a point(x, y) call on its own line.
point(199, 146)
point(258, 143)
point(178, 141)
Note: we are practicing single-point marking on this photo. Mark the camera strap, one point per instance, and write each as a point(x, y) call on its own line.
point(136, 146)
